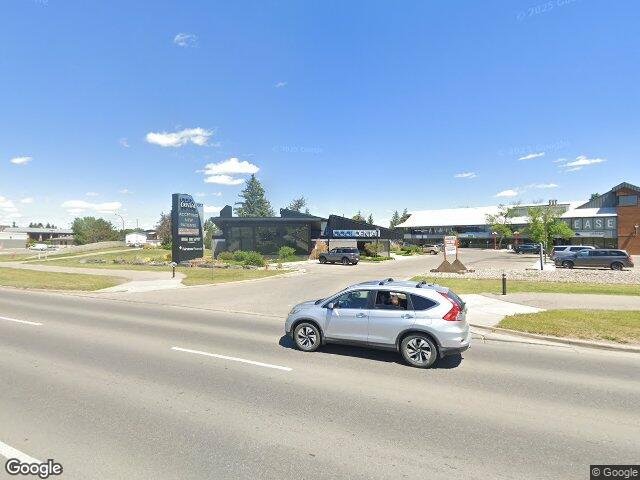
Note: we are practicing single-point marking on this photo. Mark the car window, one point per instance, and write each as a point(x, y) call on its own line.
point(558, 249)
point(421, 303)
point(388, 300)
point(577, 249)
point(356, 299)
point(617, 253)
point(584, 253)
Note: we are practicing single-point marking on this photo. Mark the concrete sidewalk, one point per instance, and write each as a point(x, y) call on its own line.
point(487, 312)
point(566, 301)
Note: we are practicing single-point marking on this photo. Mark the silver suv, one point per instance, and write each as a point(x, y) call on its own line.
point(422, 321)
point(346, 256)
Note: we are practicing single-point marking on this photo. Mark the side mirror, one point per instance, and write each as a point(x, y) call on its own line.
point(330, 305)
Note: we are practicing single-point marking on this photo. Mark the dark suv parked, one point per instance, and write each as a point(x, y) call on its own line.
point(528, 248)
point(598, 258)
point(346, 256)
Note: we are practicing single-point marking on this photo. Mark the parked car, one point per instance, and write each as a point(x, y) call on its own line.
point(40, 247)
point(527, 248)
point(346, 256)
point(560, 251)
point(432, 249)
point(597, 258)
point(423, 322)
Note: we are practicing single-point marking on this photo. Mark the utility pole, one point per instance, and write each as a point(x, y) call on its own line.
point(121, 218)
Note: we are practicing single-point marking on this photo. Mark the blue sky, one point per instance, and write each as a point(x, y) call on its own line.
point(112, 106)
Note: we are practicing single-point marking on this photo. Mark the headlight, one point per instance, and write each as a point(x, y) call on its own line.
point(294, 310)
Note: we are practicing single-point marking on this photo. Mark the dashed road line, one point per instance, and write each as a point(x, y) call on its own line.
point(37, 324)
point(233, 359)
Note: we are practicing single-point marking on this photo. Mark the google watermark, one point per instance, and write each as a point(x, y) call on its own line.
point(44, 470)
point(541, 8)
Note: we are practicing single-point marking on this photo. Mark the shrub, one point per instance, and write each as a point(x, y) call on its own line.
point(225, 256)
point(286, 252)
point(373, 249)
point(320, 247)
point(249, 258)
point(167, 257)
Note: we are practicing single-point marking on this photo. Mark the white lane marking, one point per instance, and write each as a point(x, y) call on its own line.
point(20, 321)
point(10, 452)
point(233, 359)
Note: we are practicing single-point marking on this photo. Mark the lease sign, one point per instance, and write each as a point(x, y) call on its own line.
point(450, 245)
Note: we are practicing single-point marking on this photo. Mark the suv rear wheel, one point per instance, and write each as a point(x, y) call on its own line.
point(617, 266)
point(567, 264)
point(306, 337)
point(345, 261)
point(418, 350)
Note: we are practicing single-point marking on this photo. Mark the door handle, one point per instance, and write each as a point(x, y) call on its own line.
point(361, 315)
point(406, 315)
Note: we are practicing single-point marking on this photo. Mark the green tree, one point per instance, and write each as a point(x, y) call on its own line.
point(163, 229)
point(405, 216)
point(298, 204)
point(358, 217)
point(545, 224)
point(594, 196)
point(370, 219)
point(91, 230)
point(254, 202)
point(210, 230)
point(395, 219)
point(501, 223)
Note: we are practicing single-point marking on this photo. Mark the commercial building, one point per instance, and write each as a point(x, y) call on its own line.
point(297, 230)
point(55, 236)
point(611, 220)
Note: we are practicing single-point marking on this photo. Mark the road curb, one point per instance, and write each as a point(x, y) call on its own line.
point(564, 340)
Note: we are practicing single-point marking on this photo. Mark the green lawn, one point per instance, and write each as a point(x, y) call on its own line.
point(473, 285)
point(15, 257)
point(204, 276)
point(617, 326)
point(130, 255)
point(13, 277)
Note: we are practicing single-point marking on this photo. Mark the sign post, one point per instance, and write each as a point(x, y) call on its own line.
point(186, 229)
point(450, 246)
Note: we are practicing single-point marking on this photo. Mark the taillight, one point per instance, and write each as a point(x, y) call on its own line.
point(456, 309)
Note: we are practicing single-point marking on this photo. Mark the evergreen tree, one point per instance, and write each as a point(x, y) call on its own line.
point(395, 219)
point(298, 204)
point(163, 229)
point(253, 203)
point(405, 215)
point(358, 217)
point(370, 219)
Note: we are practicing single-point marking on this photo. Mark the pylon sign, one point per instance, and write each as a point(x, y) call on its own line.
point(186, 228)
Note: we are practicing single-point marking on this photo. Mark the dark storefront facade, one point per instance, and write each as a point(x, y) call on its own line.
point(300, 231)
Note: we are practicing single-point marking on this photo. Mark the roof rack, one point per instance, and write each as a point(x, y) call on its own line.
point(386, 280)
point(423, 282)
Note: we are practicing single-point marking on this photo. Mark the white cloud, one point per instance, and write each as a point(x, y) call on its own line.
point(185, 40)
point(231, 165)
point(579, 163)
point(14, 215)
point(507, 193)
point(466, 175)
point(27, 200)
point(212, 194)
point(79, 206)
point(7, 205)
point(211, 209)
point(280, 84)
point(560, 160)
point(124, 191)
point(531, 156)
point(21, 160)
point(542, 185)
point(223, 180)
point(124, 143)
point(583, 161)
point(92, 194)
point(197, 136)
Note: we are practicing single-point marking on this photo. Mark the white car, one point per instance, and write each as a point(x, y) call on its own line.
point(40, 247)
point(422, 321)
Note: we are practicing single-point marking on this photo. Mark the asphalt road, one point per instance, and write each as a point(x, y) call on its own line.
point(97, 385)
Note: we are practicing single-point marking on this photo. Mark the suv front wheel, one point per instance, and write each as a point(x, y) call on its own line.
point(418, 350)
point(617, 266)
point(567, 264)
point(306, 336)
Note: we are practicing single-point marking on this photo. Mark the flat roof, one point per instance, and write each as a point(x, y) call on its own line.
point(67, 231)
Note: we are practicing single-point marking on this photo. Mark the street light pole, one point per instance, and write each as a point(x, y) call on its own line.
point(121, 218)
point(495, 240)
